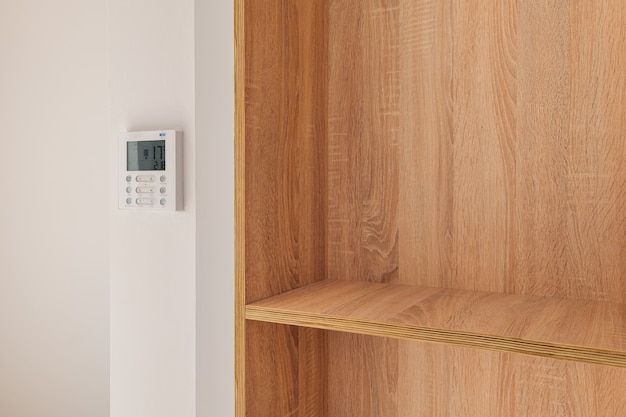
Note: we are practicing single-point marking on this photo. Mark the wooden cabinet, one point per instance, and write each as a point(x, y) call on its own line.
point(431, 208)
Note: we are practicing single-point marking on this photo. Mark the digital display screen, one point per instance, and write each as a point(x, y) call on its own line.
point(145, 155)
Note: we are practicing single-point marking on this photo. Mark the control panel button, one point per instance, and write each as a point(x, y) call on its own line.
point(163, 190)
point(145, 201)
point(163, 201)
point(129, 190)
point(145, 178)
point(129, 178)
point(129, 200)
point(163, 178)
point(145, 190)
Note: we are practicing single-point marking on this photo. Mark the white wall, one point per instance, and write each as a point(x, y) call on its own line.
point(215, 218)
point(73, 74)
point(153, 255)
point(172, 301)
point(53, 211)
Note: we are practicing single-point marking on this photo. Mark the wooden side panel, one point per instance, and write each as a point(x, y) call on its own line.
point(240, 206)
point(285, 371)
point(445, 381)
point(286, 90)
point(363, 140)
point(285, 201)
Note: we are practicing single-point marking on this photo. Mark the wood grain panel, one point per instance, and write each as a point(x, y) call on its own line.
point(474, 145)
point(425, 209)
point(240, 207)
point(484, 79)
point(363, 376)
point(286, 90)
point(284, 154)
point(544, 262)
point(548, 388)
point(572, 206)
point(312, 373)
point(363, 114)
point(576, 330)
point(446, 381)
point(285, 371)
point(597, 151)
point(502, 164)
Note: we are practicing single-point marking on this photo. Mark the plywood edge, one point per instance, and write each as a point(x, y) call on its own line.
point(330, 306)
point(240, 213)
point(442, 336)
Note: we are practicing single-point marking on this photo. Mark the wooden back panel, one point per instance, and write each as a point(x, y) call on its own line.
point(479, 145)
point(377, 377)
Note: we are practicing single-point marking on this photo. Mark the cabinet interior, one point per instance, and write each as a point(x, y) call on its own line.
point(474, 149)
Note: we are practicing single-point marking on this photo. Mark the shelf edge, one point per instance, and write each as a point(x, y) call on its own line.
point(442, 336)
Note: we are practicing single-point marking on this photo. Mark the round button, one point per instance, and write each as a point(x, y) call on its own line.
point(163, 190)
point(129, 201)
point(129, 190)
point(129, 178)
point(163, 201)
point(163, 178)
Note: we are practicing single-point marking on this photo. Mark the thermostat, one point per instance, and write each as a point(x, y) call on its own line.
point(150, 170)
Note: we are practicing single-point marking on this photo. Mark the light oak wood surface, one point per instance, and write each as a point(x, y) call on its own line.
point(478, 145)
point(577, 330)
point(476, 148)
point(285, 131)
point(425, 225)
point(282, 93)
point(363, 143)
point(372, 375)
point(240, 206)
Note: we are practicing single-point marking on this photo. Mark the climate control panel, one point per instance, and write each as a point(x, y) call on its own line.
point(150, 170)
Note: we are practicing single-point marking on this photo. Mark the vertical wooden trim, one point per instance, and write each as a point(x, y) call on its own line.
point(240, 211)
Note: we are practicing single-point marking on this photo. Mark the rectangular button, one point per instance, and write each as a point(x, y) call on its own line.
point(145, 190)
point(145, 201)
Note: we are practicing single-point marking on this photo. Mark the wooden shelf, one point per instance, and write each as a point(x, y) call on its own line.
point(576, 330)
